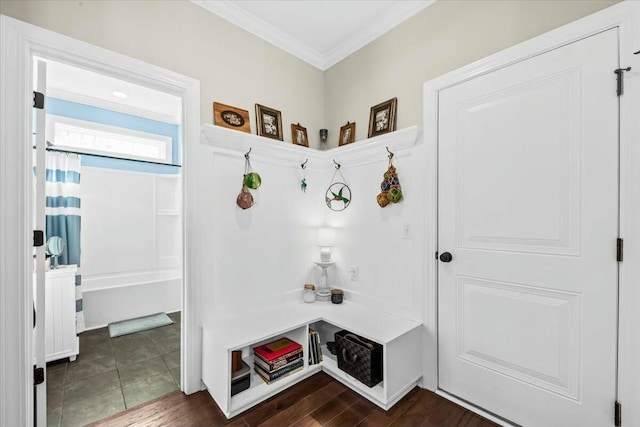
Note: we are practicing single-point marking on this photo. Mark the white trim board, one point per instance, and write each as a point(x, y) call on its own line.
point(276, 152)
point(626, 17)
point(19, 42)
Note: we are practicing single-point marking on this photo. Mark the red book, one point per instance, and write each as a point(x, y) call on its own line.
point(276, 348)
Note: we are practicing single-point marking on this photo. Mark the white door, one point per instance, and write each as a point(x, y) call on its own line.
point(528, 210)
point(40, 391)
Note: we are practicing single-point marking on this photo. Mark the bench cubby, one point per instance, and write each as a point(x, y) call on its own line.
point(400, 338)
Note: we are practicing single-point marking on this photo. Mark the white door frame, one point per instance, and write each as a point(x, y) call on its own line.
point(625, 16)
point(19, 42)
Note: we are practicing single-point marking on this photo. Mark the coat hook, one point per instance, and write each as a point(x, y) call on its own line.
point(304, 165)
point(636, 53)
point(336, 163)
point(390, 153)
point(246, 156)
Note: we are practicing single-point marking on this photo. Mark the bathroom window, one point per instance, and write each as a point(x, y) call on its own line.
point(95, 138)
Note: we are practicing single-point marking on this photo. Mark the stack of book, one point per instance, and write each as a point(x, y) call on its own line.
point(277, 359)
point(315, 349)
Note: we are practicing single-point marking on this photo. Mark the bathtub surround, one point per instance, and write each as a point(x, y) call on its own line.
point(113, 298)
point(131, 240)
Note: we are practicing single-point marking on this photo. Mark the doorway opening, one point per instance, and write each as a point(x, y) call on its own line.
point(113, 197)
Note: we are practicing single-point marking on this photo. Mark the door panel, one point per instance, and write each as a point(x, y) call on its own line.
point(547, 356)
point(494, 213)
point(528, 206)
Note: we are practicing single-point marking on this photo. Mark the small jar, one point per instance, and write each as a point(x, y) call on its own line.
point(336, 296)
point(309, 293)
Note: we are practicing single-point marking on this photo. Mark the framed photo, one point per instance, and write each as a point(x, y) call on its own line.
point(231, 117)
point(347, 134)
point(299, 135)
point(383, 118)
point(269, 122)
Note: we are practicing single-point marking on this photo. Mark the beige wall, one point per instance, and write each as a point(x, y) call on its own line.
point(442, 38)
point(233, 66)
point(237, 68)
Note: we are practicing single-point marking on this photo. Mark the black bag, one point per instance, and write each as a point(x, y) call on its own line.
point(359, 357)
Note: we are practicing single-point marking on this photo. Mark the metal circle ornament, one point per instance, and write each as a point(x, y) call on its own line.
point(338, 196)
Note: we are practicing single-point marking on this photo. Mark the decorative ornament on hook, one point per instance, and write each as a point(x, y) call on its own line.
point(338, 195)
point(249, 180)
point(303, 181)
point(390, 186)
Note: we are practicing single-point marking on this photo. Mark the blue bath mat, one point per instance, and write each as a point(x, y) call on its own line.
point(138, 324)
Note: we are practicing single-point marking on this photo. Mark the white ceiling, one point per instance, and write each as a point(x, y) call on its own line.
point(320, 32)
point(86, 87)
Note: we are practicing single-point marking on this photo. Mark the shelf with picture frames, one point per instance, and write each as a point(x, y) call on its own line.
point(400, 338)
point(273, 151)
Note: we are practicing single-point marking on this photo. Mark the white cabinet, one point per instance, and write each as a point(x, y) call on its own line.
point(401, 364)
point(400, 338)
point(61, 339)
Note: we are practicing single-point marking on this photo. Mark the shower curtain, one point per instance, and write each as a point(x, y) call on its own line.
point(62, 213)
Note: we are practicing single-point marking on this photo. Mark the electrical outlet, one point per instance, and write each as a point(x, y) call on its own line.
point(353, 273)
point(406, 232)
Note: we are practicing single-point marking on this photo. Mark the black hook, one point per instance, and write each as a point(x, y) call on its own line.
point(304, 165)
point(246, 156)
point(636, 53)
point(337, 164)
point(390, 153)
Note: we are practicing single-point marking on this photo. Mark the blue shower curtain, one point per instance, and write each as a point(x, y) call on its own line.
point(62, 213)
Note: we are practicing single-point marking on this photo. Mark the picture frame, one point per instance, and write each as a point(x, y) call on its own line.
point(382, 118)
point(231, 117)
point(269, 122)
point(299, 135)
point(347, 134)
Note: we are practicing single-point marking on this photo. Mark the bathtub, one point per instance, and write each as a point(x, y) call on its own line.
point(111, 298)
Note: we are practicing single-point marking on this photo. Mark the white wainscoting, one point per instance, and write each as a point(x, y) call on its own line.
point(265, 254)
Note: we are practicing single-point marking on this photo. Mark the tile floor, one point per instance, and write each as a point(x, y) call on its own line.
point(113, 374)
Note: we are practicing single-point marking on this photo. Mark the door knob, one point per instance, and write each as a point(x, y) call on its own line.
point(446, 257)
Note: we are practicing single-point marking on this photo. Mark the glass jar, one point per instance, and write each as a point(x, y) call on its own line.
point(336, 296)
point(309, 293)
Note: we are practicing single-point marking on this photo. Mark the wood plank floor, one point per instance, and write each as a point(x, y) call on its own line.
point(315, 402)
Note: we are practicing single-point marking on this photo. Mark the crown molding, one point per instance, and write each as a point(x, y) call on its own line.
point(238, 16)
point(233, 13)
point(374, 29)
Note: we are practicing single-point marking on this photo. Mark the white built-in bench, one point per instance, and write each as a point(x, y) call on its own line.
point(400, 338)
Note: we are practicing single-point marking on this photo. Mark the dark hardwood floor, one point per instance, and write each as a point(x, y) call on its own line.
point(316, 401)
